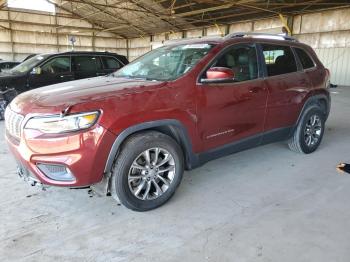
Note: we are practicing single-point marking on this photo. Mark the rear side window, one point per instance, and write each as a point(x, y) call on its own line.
point(304, 58)
point(110, 63)
point(87, 63)
point(279, 59)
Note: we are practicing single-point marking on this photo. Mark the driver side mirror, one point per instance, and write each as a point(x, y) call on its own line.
point(219, 75)
point(36, 71)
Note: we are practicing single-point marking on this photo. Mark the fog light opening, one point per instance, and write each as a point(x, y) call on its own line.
point(56, 172)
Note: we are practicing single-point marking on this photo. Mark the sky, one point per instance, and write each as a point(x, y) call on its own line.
point(39, 5)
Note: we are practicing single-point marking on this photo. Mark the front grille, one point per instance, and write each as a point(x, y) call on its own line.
point(13, 123)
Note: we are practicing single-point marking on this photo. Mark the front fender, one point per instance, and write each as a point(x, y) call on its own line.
point(171, 127)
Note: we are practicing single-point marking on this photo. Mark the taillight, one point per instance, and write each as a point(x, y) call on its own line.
point(328, 73)
point(328, 78)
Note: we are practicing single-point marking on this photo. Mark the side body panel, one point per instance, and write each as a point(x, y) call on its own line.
point(230, 112)
point(287, 95)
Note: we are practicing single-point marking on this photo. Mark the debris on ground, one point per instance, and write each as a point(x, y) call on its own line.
point(344, 168)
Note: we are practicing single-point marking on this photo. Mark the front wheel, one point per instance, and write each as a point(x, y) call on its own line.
point(309, 132)
point(147, 171)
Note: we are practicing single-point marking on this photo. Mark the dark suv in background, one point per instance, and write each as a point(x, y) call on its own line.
point(6, 65)
point(132, 133)
point(47, 69)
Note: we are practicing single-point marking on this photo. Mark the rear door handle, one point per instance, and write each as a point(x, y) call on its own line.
point(255, 90)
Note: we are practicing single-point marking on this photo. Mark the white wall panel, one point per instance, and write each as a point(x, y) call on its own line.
point(5, 36)
point(23, 48)
point(337, 60)
point(194, 33)
point(241, 27)
point(216, 31)
point(5, 47)
point(175, 36)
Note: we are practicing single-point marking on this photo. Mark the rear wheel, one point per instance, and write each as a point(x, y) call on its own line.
point(309, 132)
point(147, 171)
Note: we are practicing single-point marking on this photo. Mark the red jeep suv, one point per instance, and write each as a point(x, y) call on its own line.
point(131, 134)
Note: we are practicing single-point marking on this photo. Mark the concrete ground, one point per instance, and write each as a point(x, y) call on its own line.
point(264, 204)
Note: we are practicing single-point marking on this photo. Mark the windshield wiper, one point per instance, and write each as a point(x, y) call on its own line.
point(136, 77)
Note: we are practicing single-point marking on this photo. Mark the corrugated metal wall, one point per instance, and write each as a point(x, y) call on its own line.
point(328, 33)
point(337, 60)
point(23, 33)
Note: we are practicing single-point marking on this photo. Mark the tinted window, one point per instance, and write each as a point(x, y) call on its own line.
point(57, 65)
point(110, 63)
point(304, 58)
point(87, 63)
point(242, 60)
point(29, 64)
point(279, 59)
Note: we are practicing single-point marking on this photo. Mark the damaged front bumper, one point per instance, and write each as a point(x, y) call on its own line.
point(28, 177)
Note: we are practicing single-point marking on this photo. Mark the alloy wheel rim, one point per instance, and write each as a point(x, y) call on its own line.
point(151, 173)
point(313, 130)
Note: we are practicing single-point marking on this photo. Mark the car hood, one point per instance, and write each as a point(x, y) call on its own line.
point(6, 76)
point(60, 96)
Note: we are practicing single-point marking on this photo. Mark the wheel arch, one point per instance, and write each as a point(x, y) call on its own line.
point(321, 100)
point(171, 127)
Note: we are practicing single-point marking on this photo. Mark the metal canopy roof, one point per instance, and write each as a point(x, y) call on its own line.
point(135, 18)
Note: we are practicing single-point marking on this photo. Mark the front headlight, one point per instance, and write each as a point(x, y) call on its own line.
point(57, 124)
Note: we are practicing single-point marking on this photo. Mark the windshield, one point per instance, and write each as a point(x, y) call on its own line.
point(28, 64)
point(165, 63)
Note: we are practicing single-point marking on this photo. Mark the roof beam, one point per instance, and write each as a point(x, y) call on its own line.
point(213, 8)
point(109, 6)
point(155, 14)
point(112, 15)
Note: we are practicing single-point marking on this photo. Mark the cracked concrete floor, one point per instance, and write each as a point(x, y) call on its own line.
point(264, 204)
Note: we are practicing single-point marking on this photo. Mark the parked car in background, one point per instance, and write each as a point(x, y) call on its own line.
point(48, 69)
point(6, 65)
point(133, 133)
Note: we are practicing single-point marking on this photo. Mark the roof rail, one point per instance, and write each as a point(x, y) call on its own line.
point(255, 34)
point(173, 41)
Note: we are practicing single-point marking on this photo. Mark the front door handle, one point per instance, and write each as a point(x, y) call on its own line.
point(66, 76)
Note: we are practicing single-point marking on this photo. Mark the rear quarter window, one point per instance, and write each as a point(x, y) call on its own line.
point(305, 59)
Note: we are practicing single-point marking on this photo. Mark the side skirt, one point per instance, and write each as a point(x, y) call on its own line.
point(268, 137)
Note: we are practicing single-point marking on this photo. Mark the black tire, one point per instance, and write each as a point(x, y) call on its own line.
point(132, 149)
point(297, 142)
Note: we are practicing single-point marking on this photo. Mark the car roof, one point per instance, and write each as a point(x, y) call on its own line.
point(81, 53)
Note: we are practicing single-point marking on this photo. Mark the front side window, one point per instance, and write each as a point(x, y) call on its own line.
point(29, 64)
point(166, 63)
point(304, 58)
point(242, 60)
point(279, 59)
point(57, 65)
